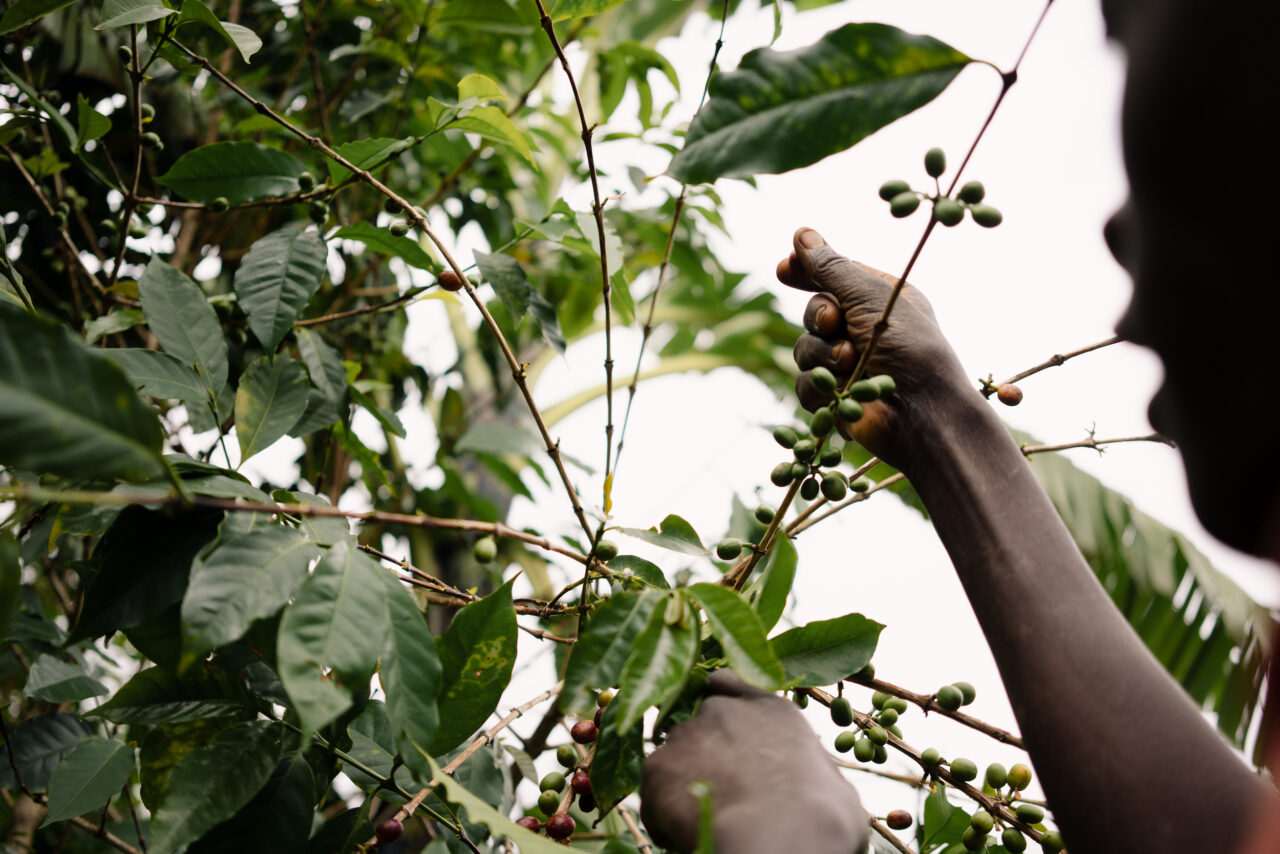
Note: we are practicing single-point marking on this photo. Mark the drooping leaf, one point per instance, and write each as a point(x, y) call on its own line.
point(603, 647)
point(615, 770)
point(237, 171)
point(673, 534)
point(773, 587)
point(90, 124)
point(122, 13)
point(825, 651)
point(65, 411)
point(39, 744)
point(184, 322)
point(411, 677)
point(276, 819)
point(156, 696)
point(661, 658)
point(271, 398)
point(116, 321)
point(241, 38)
point(159, 375)
point(740, 634)
point(382, 240)
point(477, 653)
point(23, 12)
point(59, 681)
point(327, 398)
point(783, 110)
point(93, 773)
point(331, 635)
point(276, 280)
point(212, 783)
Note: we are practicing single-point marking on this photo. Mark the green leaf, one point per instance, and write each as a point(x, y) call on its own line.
point(604, 645)
point(389, 420)
point(826, 651)
point(781, 111)
point(184, 322)
point(560, 10)
point(331, 635)
point(944, 823)
point(366, 154)
point(271, 398)
point(52, 112)
point(343, 833)
point(508, 279)
point(276, 280)
point(39, 744)
point(23, 12)
point(159, 375)
point(65, 411)
point(493, 124)
point(59, 681)
point(586, 223)
point(155, 696)
point(773, 587)
point(212, 783)
point(661, 658)
point(674, 534)
point(382, 240)
point(10, 580)
point(277, 819)
point(479, 812)
point(645, 570)
point(481, 88)
point(477, 653)
point(325, 530)
point(615, 770)
point(740, 634)
point(241, 38)
point(411, 677)
point(90, 124)
point(327, 398)
point(93, 773)
point(237, 171)
point(245, 577)
point(122, 13)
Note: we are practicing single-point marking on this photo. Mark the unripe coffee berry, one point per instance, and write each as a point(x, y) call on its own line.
point(879, 754)
point(606, 550)
point(219, 204)
point(389, 831)
point(764, 514)
point(549, 802)
point(809, 489)
point(886, 383)
point(833, 487)
point(124, 54)
point(553, 782)
point(318, 211)
point(805, 450)
point(781, 475)
point(306, 182)
point(829, 456)
point(982, 821)
point(888, 717)
point(879, 698)
point(860, 485)
point(1019, 776)
point(935, 162)
point(1009, 394)
point(973, 839)
point(898, 704)
point(864, 750)
point(147, 112)
point(728, 548)
point(151, 140)
point(584, 732)
point(485, 550)
point(823, 380)
point(785, 436)
point(930, 757)
point(560, 826)
point(566, 755)
point(1030, 813)
point(898, 820)
point(986, 216)
point(598, 718)
point(948, 212)
point(529, 822)
point(399, 229)
point(964, 769)
point(849, 410)
point(845, 741)
point(891, 189)
point(904, 204)
point(864, 391)
point(581, 783)
point(967, 692)
point(878, 735)
point(996, 775)
point(949, 697)
point(1052, 842)
point(1013, 840)
point(391, 206)
point(822, 422)
point(604, 698)
point(450, 281)
point(841, 712)
point(972, 192)
point(799, 471)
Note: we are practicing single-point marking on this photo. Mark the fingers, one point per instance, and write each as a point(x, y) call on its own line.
point(810, 397)
point(837, 356)
point(815, 266)
point(822, 316)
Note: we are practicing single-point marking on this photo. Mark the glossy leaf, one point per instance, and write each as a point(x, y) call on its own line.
point(276, 280)
point(59, 681)
point(67, 412)
point(245, 577)
point(826, 651)
point(155, 696)
point(740, 634)
point(331, 635)
point(122, 13)
point(365, 154)
point(479, 812)
point(615, 770)
point(92, 774)
point(382, 240)
point(271, 398)
point(212, 783)
point(661, 658)
point(327, 398)
point(674, 534)
point(477, 653)
point(492, 123)
point(770, 592)
point(23, 12)
point(604, 645)
point(646, 571)
point(184, 322)
point(159, 375)
point(780, 111)
point(237, 171)
point(39, 744)
point(241, 38)
point(411, 676)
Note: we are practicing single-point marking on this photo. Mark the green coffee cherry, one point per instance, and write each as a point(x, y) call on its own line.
point(891, 189)
point(904, 204)
point(864, 750)
point(973, 839)
point(964, 769)
point(548, 802)
point(822, 423)
point(604, 698)
point(867, 671)
point(125, 54)
point(834, 486)
point(949, 697)
point(864, 391)
point(785, 436)
point(391, 206)
point(841, 712)
point(1013, 840)
point(151, 141)
point(219, 205)
point(879, 699)
point(967, 692)
point(982, 821)
point(935, 162)
point(860, 485)
point(553, 782)
point(1052, 842)
point(849, 410)
point(879, 754)
point(799, 470)
point(898, 704)
point(109, 227)
point(1019, 777)
point(986, 216)
point(809, 489)
point(764, 514)
point(830, 456)
point(399, 229)
point(845, 741)
point(885, 383)
point(781, 475)
point(895, 730)
point(888, 717)
point(801, 700)
point(823, 380)
point(566, 756)
point(948, 212)
point(996, 775)
point(485, 550)
point(318, 211)
point(878, 734)
point(605, 551)
point(1030, 813)
point(306, 182)
point(930, 757)
point(729, 548)
point(147, 112)
point(972, 192)
point(805, 450)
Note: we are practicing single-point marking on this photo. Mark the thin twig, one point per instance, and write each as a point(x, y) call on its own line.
point(928, 702)
point(912, 780)
point(1095, 444)
point(629, 820)
point(988, 387)
point(105, 835)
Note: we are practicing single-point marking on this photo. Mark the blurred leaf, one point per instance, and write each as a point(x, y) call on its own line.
point(237, 171)
point(825, 651)
point(277, 819)
point(53, 113)
point(90, 124)
point(159, 375)
point(674, 534)
point(740, 634)
point(773, 587)
point(342, 834)
point(661, 658)
point(411, 676)
point(479, 812)
point(492, 123)
point(604, 645)
point(92, 774)
point(241, 38)
point(23, 12)
point(271, 398)
point(381, 240)
point(10, 580)
point(276, 280)
point(559, 10)
point(324, 530)
point(327, 397)
point(508, 279)
point(184, 322)
point(122, 13)
point(60, 681)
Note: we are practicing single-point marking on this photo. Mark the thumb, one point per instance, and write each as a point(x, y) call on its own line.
point(815, 266)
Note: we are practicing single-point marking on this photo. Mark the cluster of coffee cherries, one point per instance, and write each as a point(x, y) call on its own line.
point(903, 200)
point(560, 825)
point(868, 745)
point(1006, 786)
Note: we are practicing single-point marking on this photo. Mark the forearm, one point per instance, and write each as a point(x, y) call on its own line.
point(1124, 756)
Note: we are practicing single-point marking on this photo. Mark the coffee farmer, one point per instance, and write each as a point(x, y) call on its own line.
point(1125, 758)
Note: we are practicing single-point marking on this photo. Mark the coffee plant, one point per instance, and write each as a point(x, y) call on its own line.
point(218, 221)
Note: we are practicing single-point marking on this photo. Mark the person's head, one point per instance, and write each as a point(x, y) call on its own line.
point(1201, 94)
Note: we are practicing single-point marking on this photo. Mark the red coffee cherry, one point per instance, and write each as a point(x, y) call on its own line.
point(450, 281)
point(389, 831)
point(560, 826)
point(1009, 394)
point(898, 819)
point(581, 783)
point(584, 732)
point(529, 822)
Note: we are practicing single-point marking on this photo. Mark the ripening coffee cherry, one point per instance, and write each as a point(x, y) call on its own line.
point(125, 54)
point(450, 281)
point(829, 456)
point(306, 182)
point(785, 436)
point(151, 140)
point(147, 112)
point(219, 205)
point(529, 822)
point(318, 211)
point(823, 380)
point(805, 450)
point(605, 551)
point(553, 782)
point(896, 730)
point(809, 489)
point(764, 514)
point(949, 697)
point(1019, 777)
point(598, 718)
point(967, 692)
point(864, 750)
point(587, 802)
point(560, 826)
point(399, 229)
point(1013, 840)
point(729, 548)
point(864, 391)
point(1052, 842)
point(904, 204)
point(604, 698)
point(930, 757)
point(973, 840)
point(1009, 394)
point(878, 735)
point(389, 831)
point(982, 821)
point(822, 422)
point(891, 189)
point(948, 212)
point(845, 741)
point(581, 783)
point(781, 475)
point(887, 717)
point(972, 192)
point(548, 802)
point(860, 485)
point(898, 820)
point(849, 410)
point(935, 162)
point(986, 216)
point(584, 732)
point(566, 755)
point(1030, 813)
point(485, 550)
point(996, 775)
point(964, 769)
point(841, 712)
